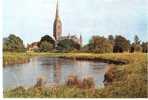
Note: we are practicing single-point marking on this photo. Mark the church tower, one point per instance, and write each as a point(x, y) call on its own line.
point(57, 26)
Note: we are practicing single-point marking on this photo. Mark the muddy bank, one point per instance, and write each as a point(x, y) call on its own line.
point(109, 75)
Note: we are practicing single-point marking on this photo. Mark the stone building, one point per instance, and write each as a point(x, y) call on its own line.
point(33, 46)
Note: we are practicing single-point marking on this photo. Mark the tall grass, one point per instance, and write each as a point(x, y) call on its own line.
point(15, 58)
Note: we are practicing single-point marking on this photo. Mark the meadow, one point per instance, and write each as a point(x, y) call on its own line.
point(130, 78)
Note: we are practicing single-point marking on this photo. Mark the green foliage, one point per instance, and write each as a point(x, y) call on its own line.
point(121, 44)
point(45, 46)
point(48, 39)
point(68, 45)
point(13, 44)
point(100, 45)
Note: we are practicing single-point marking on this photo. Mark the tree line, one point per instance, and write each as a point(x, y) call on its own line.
point(97, 44)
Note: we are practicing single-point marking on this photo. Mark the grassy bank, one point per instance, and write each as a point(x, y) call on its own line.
point(20, 58)
point(130, 79)
point(15, 58)
point(116, 58)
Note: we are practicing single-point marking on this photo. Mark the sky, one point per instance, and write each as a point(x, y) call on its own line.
point(32, 19)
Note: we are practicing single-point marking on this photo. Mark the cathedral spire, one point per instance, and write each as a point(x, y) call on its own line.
point(57, 26)
point(57, 9)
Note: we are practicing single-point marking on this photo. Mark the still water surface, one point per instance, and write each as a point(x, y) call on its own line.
point(54, 70)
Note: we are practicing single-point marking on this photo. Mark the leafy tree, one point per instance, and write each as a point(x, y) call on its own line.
point(136, 47)
point(48, 39)
point(46, 46)
point(111, 39)
point(144, 46)
point(136, 40)
point(46, 43)
point(13, 43)
point(68, 45)
point(100, 45)
point(121, 44)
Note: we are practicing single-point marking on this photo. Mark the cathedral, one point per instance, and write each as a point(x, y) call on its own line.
point(57, 33)
point(57, 29)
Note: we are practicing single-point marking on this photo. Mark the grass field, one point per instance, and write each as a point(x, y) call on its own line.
point(130, 79)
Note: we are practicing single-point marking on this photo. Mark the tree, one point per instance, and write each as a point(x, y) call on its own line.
point(135, 48)
point(136, 40)
point(46, 43)
point(100, 45)
point(121, 44)
point(45, 46)
point(144, 46)
point(48, 39)
point(111, 39)
point(68, 45)
point(13, 43)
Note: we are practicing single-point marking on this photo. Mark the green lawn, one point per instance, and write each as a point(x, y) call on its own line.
point(130, 79)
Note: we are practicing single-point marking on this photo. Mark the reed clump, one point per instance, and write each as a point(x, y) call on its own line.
point(85, 83)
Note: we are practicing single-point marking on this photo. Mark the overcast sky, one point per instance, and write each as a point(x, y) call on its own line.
point(31, 19)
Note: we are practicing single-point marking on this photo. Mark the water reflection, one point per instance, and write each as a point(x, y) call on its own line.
point(55, 70)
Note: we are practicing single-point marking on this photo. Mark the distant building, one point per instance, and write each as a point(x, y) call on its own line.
point(33, 46)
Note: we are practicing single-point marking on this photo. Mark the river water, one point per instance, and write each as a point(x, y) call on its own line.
point(54, 70)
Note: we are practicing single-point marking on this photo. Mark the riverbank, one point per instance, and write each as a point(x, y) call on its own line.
point(130, 79)
point(111, 58)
